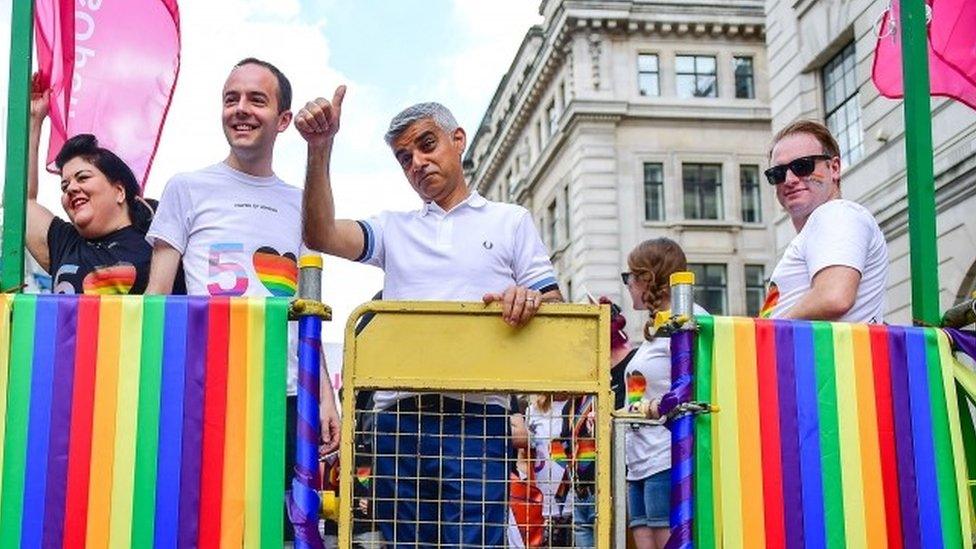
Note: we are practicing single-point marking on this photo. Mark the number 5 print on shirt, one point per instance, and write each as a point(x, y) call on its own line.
point(63, 286)
point(221, 261)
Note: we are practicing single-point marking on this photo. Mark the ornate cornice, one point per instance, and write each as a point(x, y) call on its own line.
point(595, 21)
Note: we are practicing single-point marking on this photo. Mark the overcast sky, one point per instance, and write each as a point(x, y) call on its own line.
point(390, 53)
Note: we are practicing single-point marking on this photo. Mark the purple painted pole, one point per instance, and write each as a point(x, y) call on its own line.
point(682, 426)
point(304, 503)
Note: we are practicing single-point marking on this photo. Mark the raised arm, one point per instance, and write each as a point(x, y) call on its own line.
point(318, 123)
point(38, 217)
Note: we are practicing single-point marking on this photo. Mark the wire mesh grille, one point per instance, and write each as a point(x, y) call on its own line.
point(435, 470)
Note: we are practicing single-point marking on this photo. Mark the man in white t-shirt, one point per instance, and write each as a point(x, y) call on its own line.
point(235, 226)
point(836, 267)
point(446, 490)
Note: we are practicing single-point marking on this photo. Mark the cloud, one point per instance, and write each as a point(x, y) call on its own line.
point(294, 36)
point(492, 32)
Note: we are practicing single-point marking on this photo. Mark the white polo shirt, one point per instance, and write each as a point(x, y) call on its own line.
point(476, 248)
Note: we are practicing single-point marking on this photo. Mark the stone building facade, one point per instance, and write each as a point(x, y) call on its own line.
point(624, 120)
point(821, 54)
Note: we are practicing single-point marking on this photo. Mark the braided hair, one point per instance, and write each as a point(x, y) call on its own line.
point(653, 262)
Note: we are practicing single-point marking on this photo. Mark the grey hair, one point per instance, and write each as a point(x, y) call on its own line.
point(434, 111)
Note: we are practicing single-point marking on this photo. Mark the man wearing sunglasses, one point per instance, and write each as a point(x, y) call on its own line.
point(836, 267)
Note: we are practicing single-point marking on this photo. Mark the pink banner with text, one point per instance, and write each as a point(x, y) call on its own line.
point(112, 68)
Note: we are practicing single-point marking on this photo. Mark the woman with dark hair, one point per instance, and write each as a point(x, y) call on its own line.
point(103, 250)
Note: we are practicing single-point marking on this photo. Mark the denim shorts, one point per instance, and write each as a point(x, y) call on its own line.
point(584, 516)
point(649, 501)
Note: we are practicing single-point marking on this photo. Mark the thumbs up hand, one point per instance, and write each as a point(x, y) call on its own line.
point(318, 120)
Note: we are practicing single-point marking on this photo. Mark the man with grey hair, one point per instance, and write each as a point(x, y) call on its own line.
point(446, 490)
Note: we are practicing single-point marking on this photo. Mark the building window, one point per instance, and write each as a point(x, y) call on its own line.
point(552, 117)
point(566, 214)
point(648, 75)
point(551, 224)
point(653, 191)
point(745, 83)
point(755, 289)
point(703, 190)
point(710, 287)
point(511, 185)
point(842, 105)
point(749, 186)
point(696, 76)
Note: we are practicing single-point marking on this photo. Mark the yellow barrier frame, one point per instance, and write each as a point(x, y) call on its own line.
point(417, 346)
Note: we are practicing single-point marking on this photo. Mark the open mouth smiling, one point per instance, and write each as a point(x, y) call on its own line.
point(78, 202)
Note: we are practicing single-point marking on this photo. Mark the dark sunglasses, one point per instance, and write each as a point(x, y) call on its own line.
point(625, 276)
point(801, 167)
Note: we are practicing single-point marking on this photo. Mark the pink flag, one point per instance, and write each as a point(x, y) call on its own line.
point(952, 51)
point(111, 67)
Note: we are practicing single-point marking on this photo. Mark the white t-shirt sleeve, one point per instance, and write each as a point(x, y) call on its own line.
point(373, 249)
point(839, 235)
point(531, 266)
point(173, 217)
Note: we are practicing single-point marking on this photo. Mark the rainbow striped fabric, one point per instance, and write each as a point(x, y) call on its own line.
point(135, 421)
point(828, 435)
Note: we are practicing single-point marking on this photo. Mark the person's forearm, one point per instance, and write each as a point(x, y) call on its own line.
point(159, 284)
point(814, 306)
point(318, 205)
point(162, 269)
point(326, 392)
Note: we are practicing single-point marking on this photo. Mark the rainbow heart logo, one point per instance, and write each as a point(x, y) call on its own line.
point(363, 473)
point(278, 272)
point(636, 387)
point(116, 279)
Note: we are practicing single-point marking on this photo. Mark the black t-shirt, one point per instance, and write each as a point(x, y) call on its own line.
point(117, 263)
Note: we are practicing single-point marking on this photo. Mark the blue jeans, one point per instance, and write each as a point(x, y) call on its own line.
point(584, 516)
point(649, 500)
point(441, 475)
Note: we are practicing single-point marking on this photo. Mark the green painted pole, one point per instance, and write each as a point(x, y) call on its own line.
point(918, 148)
point(18, 111)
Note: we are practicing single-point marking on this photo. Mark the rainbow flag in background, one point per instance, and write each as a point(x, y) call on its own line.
point(135, 421)
point(828, 435)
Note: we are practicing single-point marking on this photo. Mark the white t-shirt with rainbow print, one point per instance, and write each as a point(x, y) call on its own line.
point(239, 235)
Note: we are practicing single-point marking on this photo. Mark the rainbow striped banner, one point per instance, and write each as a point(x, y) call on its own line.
point(142, 421)
point(828, 435)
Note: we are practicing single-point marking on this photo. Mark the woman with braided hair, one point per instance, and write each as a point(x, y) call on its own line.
point(647, 377)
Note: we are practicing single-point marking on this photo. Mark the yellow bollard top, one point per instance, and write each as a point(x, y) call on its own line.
point(310, 260)
point(683, 277)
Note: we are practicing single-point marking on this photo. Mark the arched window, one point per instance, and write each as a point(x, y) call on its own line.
point(968, 285)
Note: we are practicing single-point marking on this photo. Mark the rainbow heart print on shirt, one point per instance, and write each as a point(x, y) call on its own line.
point(636, 387)
point(116, 279)
point(277, 272)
